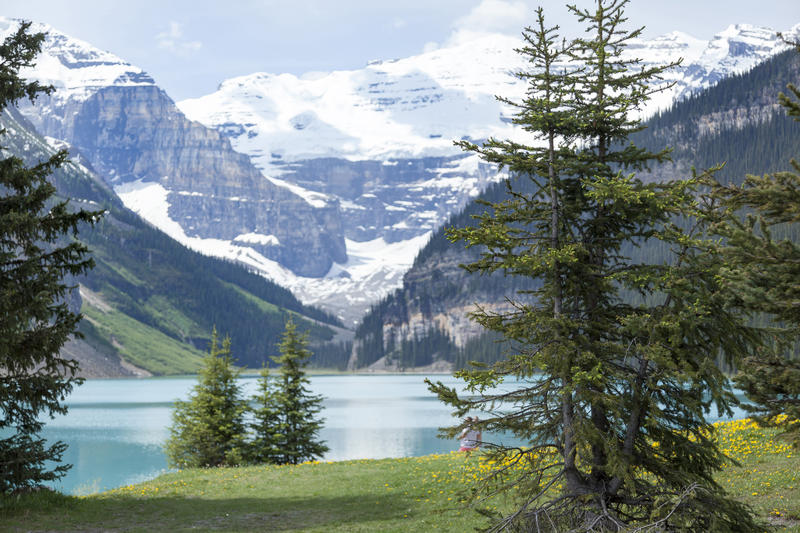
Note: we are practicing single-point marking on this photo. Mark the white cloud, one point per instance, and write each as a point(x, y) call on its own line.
point(399, 23)
point(490, 16)
point(173, 40)
point(430, 46)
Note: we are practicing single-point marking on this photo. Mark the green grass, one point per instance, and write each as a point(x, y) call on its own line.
point(392, 495)
point(769, 477)
point(261, 304)
point(401, 495)
point(171, 319)
point(142, 345)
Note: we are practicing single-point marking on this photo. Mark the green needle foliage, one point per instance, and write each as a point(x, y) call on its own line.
point(297, 436)
point(266, 424)
point(37, 254)
point(208, 429)
point(613, 363)
point(765, 271)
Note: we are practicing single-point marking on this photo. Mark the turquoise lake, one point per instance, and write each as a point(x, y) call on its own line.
point(115, 428)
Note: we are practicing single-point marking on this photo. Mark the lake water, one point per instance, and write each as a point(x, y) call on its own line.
point(115, 428)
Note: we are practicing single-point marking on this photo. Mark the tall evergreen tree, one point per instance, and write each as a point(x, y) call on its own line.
point(208, 429)
point(298, 436)
point(616, 357)
point(37, 252)
point(765, 270)
point(266, 425)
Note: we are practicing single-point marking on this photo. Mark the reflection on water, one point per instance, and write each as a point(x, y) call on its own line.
point(115, 428)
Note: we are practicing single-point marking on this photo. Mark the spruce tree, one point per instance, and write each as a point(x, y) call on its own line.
point(266, 425)
point(208, 429)
point(613, 357)
point(298, 435)
point(765, 271)
point(38, 250)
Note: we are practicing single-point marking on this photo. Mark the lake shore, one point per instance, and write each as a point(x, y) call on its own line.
point(389, 495)
point(250, 372)
point(115, 428)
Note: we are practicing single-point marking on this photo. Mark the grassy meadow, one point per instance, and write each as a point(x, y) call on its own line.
point(401, 495)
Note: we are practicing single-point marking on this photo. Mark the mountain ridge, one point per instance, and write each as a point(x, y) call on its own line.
point(275, 114)
point(403, 110)
point(129, 129)
point(347, 173)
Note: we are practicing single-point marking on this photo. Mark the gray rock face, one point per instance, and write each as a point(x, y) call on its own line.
point(397, 199)
point(95, 364)
point(130, 133)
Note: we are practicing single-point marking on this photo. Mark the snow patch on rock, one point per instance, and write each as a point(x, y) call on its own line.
point(373, 269)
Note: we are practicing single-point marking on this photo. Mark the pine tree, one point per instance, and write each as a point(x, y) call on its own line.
point(614, 356)
point(298, 438)
point(265, 427)
point(765, 272)
point(208, 429)
point(37, 252)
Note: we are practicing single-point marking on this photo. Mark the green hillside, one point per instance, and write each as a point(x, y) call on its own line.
point(152, 301)
point(737, 122)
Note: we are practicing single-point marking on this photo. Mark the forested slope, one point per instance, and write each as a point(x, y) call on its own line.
point(736, 123)
point(152, 302)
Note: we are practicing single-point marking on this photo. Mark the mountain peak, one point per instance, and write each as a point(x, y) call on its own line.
point(74, 67)
point(370, 151)
point(746, 30)
point(744, 39)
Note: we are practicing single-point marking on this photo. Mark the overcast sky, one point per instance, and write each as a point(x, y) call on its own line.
point(190, 46)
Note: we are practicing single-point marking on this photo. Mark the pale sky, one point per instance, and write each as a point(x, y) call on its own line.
point(190, 46)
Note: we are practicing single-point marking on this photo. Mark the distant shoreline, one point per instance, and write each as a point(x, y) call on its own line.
point(314, 372)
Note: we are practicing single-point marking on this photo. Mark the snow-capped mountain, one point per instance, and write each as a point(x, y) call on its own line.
point(128, 130)
point(414, 107)
point(349, 135)
point(736, 121)
point(345, 173)
point(76, 70)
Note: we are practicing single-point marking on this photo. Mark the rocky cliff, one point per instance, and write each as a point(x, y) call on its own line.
point(131, 132)
point(135, 134)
